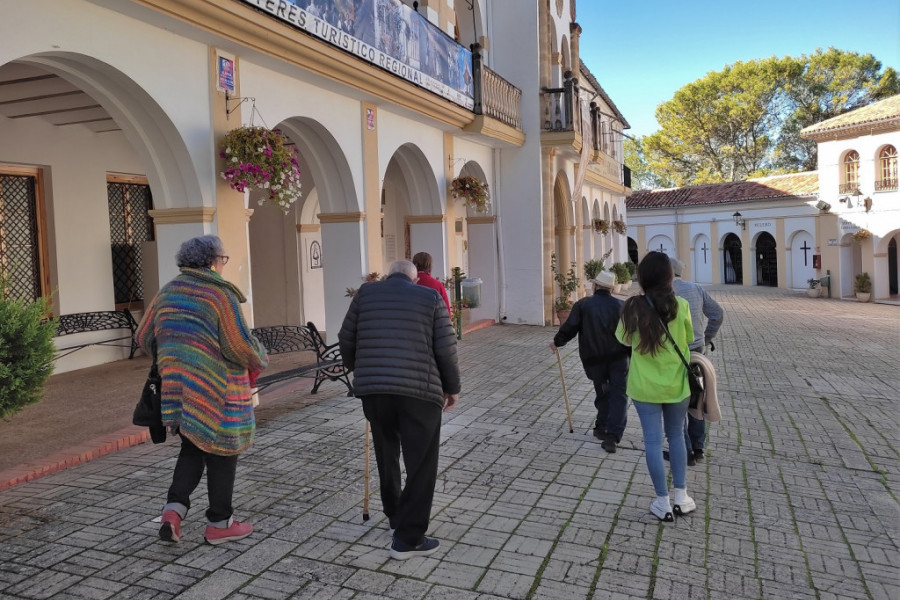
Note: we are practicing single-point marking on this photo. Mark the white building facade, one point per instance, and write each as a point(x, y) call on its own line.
point(112, 116)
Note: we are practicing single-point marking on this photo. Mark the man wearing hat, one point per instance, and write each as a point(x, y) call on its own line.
point(593, 319)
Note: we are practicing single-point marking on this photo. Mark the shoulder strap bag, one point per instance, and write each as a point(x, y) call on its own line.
point(694, 373)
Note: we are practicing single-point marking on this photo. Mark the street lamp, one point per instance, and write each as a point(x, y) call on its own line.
point(739, 220)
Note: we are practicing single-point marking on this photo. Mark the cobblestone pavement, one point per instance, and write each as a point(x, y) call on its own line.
point(797, 498)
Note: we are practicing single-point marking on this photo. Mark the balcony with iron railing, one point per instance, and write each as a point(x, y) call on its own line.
point(849, 188)
point(886, 185)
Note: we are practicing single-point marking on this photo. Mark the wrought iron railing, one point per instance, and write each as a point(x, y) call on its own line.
point(848, 188)
point(886, 185)
point(560, 107)
point(495, 97)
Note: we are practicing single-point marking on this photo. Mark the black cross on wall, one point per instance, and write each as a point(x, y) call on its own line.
point(704, 248)
point(805, 249)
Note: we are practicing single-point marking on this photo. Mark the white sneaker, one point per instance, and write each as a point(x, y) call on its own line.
point(682, 503)
point(662, 509)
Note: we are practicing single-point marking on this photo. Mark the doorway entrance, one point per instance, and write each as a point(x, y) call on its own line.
point(766, 261)
point(731, 259)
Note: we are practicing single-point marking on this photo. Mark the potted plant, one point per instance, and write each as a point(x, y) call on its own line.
point(619, 226)
point(567, 283)
point(632, 269)
point(592, 268)
point(861, 235)
point(473, 192)
point(261, 158)
point(863, 287)
point(601, 226)
point(623, 276)
point(813, 290)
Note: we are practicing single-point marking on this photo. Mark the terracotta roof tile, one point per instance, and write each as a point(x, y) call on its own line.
point(763, 188)
point(878, 112)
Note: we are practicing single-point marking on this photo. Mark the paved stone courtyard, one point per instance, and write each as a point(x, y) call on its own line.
point(798, 496)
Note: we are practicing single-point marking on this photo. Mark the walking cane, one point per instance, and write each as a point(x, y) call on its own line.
point(366, 478)
point(562, 378)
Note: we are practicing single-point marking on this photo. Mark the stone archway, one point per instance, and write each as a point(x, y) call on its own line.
point(289, 287)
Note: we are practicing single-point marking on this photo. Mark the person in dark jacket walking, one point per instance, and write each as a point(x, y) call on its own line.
point(605, 360)
point(398, 341)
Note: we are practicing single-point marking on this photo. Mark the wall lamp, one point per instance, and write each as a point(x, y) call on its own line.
point(846, 199)
point(739, 220)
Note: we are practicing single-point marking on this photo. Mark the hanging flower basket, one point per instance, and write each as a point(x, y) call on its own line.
point(861, 235)
point(619, 226)
point(473, 191)
point(601, 226)
point(260, 158)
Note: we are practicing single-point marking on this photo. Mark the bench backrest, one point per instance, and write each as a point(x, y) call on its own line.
point(280, 339)
point(95, 321)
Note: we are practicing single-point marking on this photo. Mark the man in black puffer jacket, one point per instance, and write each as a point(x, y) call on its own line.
point(398, 341)
point(605, 360)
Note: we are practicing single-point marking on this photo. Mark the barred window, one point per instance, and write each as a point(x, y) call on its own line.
point(22, 247)
point(887, 169)
point(129, 226)
point(850, 174)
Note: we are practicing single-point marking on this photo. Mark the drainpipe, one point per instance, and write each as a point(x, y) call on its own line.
point(501, 280)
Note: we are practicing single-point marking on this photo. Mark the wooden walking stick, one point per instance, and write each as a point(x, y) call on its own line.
point(562, 378)
point(366, 478)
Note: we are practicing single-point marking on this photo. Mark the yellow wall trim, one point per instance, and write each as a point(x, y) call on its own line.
point(562, 138)
point(308, 228)
point(498, 130)
point(175, 216)
point(425, 219)
point(488, 220)
point(351, 217)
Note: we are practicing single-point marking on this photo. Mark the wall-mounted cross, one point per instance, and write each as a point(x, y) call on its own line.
point(704, 248)
point(805, 249)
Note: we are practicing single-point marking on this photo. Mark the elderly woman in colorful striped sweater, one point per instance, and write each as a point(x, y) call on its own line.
point(207, 358)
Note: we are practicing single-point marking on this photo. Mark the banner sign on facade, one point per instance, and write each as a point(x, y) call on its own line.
point(388, 34)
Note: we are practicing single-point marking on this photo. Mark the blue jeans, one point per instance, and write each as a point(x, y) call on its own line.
point(655, 417)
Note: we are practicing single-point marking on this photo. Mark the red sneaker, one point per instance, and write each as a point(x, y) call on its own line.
point(218, 535)
point(171, 527)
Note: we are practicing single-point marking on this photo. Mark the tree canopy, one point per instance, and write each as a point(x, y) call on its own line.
point(745, 120)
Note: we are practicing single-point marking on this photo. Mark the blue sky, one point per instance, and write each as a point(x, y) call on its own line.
point(642, 52)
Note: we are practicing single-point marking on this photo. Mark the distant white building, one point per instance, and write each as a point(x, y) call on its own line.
point(783, 230)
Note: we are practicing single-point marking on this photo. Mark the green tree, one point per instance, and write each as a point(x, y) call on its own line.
point(824, 85)
point(642, 176)
point(745, 121)
point(26, 351)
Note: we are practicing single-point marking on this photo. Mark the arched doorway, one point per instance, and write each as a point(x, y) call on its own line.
point(731, 259)
point(632, 250)
point(766, 261)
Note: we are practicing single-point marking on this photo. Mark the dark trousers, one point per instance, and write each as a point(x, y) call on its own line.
point(694, 433)
point(220, 472)
point(609, 380)
point(414, 425)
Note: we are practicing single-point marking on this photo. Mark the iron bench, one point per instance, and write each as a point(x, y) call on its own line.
point(100, 320)
point(282, 339)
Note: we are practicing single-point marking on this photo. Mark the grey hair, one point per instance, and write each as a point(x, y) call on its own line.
point(405, 267)
point(199, 252)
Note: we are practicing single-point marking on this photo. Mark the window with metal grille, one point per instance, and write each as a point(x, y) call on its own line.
point(129, 226)
point(21, 250)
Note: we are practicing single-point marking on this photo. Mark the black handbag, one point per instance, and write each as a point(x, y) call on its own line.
point(148, 412)
point(694, 372)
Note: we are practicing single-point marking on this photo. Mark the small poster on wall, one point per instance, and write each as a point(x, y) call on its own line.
point(315, 255)
point(225, 80)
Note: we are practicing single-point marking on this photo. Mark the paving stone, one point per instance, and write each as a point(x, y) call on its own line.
point(521, 505)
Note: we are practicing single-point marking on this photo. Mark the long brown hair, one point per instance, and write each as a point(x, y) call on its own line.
point(642, 313)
